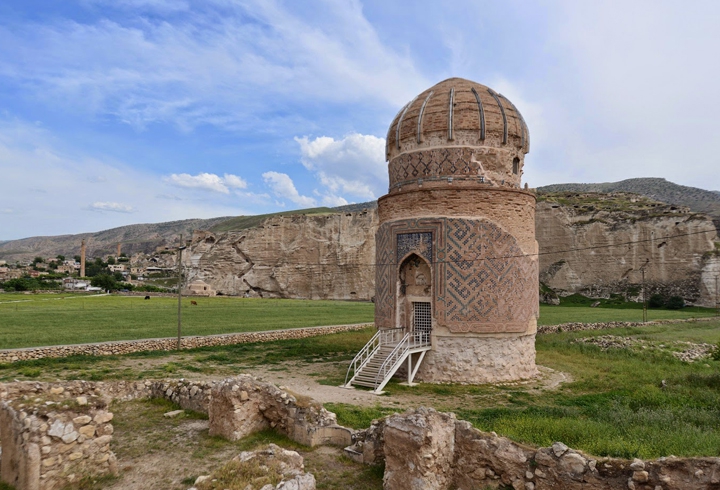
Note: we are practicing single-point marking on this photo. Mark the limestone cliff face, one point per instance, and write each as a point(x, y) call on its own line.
point(597, 252)
point(326, 256)
point(331, 256)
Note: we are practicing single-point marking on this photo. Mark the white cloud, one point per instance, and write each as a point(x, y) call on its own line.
point(332, 201)
point(635, 93)
point(33, 160)
point(283, 187)
point(115, 207)
point(354, 165)
point(207, 181)
point(232, 65)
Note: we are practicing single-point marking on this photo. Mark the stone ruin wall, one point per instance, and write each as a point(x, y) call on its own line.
point(432, 450)
point(52, 435)
point(272, 261)
point(48, 446)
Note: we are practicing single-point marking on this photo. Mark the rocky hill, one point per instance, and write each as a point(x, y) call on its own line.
point(698, 200)
point(598, 243)
point(134, 238)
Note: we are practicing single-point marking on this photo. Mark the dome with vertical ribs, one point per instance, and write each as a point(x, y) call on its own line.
point(457, 112)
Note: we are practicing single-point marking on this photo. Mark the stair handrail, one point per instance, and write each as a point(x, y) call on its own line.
point(421, 338)
point(382, 337)
point(397, 353)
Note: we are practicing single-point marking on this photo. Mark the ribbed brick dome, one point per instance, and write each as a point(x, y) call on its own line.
point(457, 112)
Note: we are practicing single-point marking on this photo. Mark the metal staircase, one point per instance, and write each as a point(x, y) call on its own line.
point(383, 355)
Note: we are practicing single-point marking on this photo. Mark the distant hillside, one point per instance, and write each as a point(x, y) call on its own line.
point(351, 208)
point(144, 237)
point(134, 239)
point(698, 200)
point(147, 237)
point(244, 222)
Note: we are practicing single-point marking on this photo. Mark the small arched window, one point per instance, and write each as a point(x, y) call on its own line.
point(516, 165)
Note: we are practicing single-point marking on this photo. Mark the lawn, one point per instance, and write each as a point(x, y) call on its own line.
point(28, 320)
point(38, 320)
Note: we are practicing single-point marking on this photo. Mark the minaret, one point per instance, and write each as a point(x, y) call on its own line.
point(119, 247)
point(82, 259)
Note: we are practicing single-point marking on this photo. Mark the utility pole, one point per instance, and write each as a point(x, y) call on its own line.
point(717, 303)
point(644, 297)
point(644, 291)
point(179, 291)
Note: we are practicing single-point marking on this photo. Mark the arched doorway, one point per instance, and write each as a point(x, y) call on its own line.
point(415, 296)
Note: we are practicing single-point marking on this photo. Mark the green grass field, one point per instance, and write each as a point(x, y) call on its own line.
point(29, 320)
point(38, 320)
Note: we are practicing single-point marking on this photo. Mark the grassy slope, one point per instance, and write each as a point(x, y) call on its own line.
point(245, 222)
point(49, 320)
point(699, 200)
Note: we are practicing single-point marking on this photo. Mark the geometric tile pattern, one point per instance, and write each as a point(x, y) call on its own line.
point(482, 282)
point(384, 278)
point(419, 243)
point(438, 162)
point(489, 284)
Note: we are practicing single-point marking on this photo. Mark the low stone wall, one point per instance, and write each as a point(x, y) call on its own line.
point(242, 405)
point(431, 450)
point(170, 344)
point(52, 437)
point(577, 326)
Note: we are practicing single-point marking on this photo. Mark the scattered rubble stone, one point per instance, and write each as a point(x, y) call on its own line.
point(690, 351)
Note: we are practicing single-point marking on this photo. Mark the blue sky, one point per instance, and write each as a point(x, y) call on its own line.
point(115, 112)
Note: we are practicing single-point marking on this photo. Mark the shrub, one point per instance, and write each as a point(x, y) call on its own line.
point(716, 353)
point(675, 303)
point(656, 301)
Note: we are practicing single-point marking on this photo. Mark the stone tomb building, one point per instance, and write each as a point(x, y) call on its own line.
point(456, 250)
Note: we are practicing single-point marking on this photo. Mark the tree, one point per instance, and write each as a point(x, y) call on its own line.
point(38, 260)
point(77, 258)
point(656, 301)
point(675, 303)
point(104, 281)
point(61, 258)
point(111, 260)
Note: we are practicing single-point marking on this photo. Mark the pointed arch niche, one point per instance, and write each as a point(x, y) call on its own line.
point(414, 289)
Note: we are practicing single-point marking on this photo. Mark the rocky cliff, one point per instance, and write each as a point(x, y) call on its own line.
point(598, 244)
point(320, 256)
